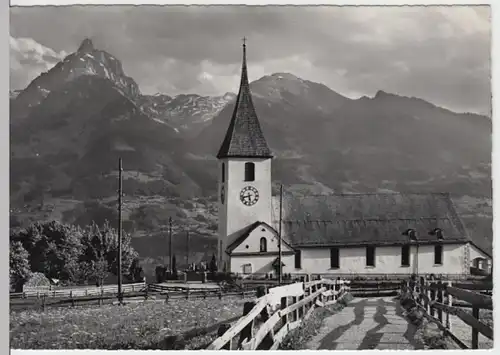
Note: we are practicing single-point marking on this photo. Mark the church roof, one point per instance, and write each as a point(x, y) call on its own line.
point(244, 137)
point(245, 232)
point(364, 219)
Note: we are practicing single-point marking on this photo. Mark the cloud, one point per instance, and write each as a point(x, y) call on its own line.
point(441, 54)
point(28, 59)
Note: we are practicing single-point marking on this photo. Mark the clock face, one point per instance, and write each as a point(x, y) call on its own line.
point(222, 194)
point(249, 195)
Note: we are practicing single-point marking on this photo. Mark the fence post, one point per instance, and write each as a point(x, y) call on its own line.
point(421, 289)
point(43, 302)
point(284, 304)
point(475, 333)
point(101, 294)
point(220, 332)
point(428, 294)
point(433, 297)
point(295, 315)
point(247, 332)
point(72, 299)
point(450, 304)
point(440, 299)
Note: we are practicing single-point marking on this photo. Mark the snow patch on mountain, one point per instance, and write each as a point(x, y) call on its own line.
point(184, 111)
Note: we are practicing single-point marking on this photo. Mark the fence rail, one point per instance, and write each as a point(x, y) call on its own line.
point(438, 298)
point(77, 291)
point(267, 321)
point(72, 301)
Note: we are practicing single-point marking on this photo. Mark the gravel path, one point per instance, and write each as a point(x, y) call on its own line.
point(375, 323)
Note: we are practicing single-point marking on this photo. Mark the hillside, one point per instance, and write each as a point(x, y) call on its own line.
point(70, 125)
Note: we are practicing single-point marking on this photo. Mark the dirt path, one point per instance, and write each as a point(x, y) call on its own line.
point(375, 323)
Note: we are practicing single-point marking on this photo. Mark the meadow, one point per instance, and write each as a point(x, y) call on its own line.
point(179, 324)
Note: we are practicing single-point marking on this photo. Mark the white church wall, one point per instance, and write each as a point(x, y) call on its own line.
point(387, 261)
point(252, 243)
point(260, 264)
point(238, 214)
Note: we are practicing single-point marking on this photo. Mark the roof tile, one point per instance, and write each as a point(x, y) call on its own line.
point(244, 137)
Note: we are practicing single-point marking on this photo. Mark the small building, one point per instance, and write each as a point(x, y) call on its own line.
point(345, 234)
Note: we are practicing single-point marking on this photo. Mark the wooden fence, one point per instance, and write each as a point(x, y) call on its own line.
point(44, 302)
point(267, 321)
point(438, 298)
point(77, 291)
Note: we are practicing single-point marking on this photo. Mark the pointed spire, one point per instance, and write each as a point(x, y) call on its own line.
point(244, 137)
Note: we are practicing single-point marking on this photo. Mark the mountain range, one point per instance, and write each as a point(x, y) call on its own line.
point(70, 125)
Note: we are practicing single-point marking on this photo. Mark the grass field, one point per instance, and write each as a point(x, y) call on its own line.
point(134, 326)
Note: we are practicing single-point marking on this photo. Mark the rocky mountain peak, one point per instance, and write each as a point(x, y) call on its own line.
point(228, 96)
point(381, 94)
point(86, 46)
point(86, 61)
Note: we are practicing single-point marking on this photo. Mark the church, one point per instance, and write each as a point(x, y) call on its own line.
point(336, 235)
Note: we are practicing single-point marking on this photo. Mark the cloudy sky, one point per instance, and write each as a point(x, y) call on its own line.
point(441, 54)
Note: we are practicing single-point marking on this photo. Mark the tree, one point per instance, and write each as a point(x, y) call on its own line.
point(51, 246)
point(213, 265)
point(100, 270)
point(79, 272)
point(72, 254)
point(135, 272)
point(19, 271)
point(100, 248)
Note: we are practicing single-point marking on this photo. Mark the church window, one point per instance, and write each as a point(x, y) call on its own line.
point(249, 171)
point(334, 258)
point(223, 172)
point(438, 255)
point(247, 269)
point(370, 256)
point(405, 255)
point(263, 245)
point(298, 259)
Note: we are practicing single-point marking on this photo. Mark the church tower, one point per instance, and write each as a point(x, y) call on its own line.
point(244, 171)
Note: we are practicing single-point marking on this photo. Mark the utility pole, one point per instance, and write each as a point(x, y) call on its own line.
point(120, 195)
point(170, 242)
point(187, 248)
point(280, 271)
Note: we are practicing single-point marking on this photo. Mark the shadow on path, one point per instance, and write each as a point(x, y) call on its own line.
point(372, 338)
point(328, 342)
point(411, 330)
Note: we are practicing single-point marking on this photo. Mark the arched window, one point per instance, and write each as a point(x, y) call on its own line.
point(249, 171)
point(223, 172)
point(263, 245)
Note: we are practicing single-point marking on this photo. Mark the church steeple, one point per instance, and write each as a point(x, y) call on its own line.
point(244, 137)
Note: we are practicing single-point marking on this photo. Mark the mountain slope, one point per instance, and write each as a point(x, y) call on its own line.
point(188, 114)
point(70, 125)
